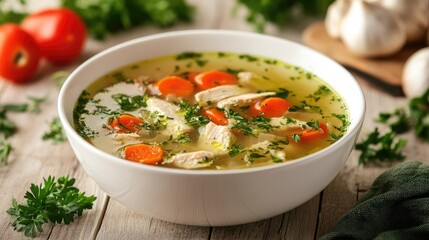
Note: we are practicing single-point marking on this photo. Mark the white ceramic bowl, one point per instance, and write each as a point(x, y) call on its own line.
point(210, 197)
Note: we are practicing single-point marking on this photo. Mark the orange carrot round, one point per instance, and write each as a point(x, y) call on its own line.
point(175, 85)
point(270, 107)
point(310, 135)
point(216, 116)
point(143, 153)
point(126, 123)
point(215, 78)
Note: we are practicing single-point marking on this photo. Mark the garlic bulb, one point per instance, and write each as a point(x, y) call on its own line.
point(334, 15)
point(415, 75)
point(413, 14)
point(369, 30)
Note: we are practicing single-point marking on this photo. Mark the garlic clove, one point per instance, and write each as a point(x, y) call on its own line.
point(413, 14)
point(415, 75)
point(334, 16)
point(369, 30)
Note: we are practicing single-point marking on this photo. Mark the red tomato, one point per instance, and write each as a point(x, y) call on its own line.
point(19, 54)
point(60, 34)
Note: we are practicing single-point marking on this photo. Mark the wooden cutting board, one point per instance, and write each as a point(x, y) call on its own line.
point(387, 69)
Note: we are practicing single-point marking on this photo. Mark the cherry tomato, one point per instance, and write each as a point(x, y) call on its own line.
point(60, 34)
point(19, 54)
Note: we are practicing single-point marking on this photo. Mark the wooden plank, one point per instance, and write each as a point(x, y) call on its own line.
point(33, 159)
point(299, 223)
point(122, 223)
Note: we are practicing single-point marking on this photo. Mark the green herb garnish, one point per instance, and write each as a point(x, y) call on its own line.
point(192, 114)
point(128, 103)
point(53, 201)
point(280, 12)
point(56, 132)
point(400, 122)
point(419, 111)
point(235, 149)
point(381, 148)
point(5, 150)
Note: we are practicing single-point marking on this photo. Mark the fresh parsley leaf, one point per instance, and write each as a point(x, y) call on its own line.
point(188, 55)
point(296, 137)
point(280, 12)
point(5, 150)
point(104, 17)
point(419, 111)
point(183, 138)
point(192, 114)
point(383, 148)
point(250, 127)
point(235, 149)
point(276, 159)
point(56, 132)
point(283, 93)
point(128, 103)
point(400, 122)
point(53, 201)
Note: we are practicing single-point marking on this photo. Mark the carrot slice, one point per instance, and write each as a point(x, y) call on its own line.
point(175, 85)
point(216, 116)
point(215, 78)
point(126, 123)
point(310, 135)
point(142, 153)
point(270, 107)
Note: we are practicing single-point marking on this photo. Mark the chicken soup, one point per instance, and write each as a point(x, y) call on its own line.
point(210, 111)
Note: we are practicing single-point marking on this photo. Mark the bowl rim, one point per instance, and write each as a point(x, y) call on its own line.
point(295, 162)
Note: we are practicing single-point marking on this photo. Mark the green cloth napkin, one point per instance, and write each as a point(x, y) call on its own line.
point(395, 207)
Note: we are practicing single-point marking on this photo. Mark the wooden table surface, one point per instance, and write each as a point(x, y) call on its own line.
point(33, 159)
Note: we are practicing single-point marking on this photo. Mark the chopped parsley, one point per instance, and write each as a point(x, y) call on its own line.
point(5, 150)
point(275, 159)
point(192, 114)
point(305, 107)
point(79, 121)
point(183, 138)
point(419, 111)
point(192, 56)
point(188, 55)
point(381, 148)
point(283, 93)
point(128, 103)
point(154, 121)
point(56, 132)
point(235, 149)
point(248, 57)
point(397, 120)
point(296, 137)
point(319, 93)
point(250, 127)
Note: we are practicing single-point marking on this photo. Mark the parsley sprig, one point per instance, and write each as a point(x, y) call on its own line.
point(250, 127)
point(56, 132)
point(8, 127)
point(192, 114)
point(53, 201)
point(419, 111)
point(383, 148)
point(104, 17)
